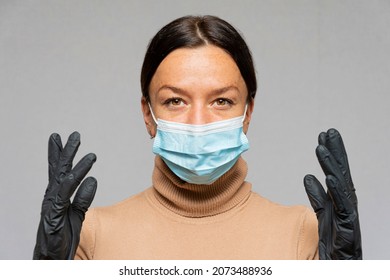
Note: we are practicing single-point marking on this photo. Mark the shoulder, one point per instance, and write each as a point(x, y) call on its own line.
point(295, 223)
point(103, 222)
point(126, 207)
point(265, 205)
point(298, 218)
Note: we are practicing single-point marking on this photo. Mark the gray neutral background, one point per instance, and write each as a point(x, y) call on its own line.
point(74, 65)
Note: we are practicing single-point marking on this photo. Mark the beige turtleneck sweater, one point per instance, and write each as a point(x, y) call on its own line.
point(177, 220)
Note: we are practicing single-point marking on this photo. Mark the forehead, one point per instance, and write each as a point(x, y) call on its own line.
point(202, 64)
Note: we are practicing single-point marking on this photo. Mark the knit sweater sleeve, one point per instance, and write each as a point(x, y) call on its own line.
point(308, 243)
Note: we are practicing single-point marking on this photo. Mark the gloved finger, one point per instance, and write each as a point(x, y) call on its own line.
point(54, 153)
point(322, 138)
point(336, 146)
point(83, 166)
point(85, 194)
point(67, 155)
point(329, 164)
point(341, 201)
point(75, 177)
point(315, 193)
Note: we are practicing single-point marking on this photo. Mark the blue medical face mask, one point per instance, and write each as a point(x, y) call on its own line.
point(200, 154)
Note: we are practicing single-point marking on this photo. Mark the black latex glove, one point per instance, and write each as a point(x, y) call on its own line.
point(60, 225)
point(337, 210)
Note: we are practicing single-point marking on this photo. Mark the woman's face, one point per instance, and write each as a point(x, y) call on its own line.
point(197, 86)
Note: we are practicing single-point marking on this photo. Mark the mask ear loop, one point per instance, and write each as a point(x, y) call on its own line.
point(151, 111)
point(246, 108)
point(154, 118)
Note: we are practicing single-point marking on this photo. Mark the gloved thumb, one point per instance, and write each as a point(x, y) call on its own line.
point(85, 195)
point(315, 192)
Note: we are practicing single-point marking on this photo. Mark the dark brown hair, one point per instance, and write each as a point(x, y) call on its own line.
point(196, 31)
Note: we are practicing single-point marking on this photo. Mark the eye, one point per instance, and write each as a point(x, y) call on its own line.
point(174, 101)
point(221, 102)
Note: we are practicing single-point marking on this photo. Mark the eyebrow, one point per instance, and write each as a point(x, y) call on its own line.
point(182, 91)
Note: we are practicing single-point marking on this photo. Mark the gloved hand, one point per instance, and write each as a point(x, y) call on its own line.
point(337, 210)
point(60, 225)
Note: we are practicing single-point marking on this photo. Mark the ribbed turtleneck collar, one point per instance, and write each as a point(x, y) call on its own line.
point(196, 201)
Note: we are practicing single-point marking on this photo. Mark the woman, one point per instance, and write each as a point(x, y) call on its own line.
point(198, 84)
